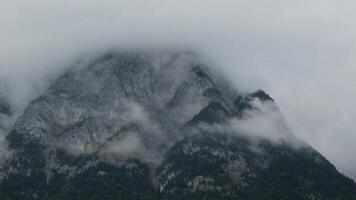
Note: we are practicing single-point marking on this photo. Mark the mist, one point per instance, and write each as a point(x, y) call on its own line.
point(301, 52)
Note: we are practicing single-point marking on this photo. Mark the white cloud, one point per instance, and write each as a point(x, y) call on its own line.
point(127, 146)
point(265, 122)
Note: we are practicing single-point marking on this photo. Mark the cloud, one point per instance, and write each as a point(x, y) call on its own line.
point(302, 52)
point(265, 122)
point(137, 113)
point(128, 145)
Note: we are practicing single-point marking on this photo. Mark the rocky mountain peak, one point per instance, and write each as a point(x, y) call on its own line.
point(161, 125)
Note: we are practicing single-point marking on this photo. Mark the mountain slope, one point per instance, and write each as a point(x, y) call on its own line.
point(160, 126)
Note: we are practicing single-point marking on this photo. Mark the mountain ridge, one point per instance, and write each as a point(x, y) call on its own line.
point(165, 122)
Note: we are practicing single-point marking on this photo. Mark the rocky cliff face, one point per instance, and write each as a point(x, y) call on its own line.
point(5, 108)
point(159, 126)
point(6, 118)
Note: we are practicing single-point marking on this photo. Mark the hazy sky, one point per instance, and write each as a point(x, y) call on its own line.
point(301, 52)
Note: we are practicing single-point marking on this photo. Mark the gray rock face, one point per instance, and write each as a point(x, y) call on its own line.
point(4, 103)
point(87, 110)
point(4, 114)
point(126, 105)
point(5, 108)
point(6, 120)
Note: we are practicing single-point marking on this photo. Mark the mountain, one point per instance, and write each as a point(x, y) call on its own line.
point(6, 113)
point(5, 108)
point(160, 125)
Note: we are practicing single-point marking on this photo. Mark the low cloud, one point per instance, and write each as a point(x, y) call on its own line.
point(264, 122)
point(128, 145)
point(137, 114)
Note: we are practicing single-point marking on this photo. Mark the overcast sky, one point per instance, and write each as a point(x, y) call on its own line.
point(302, 52)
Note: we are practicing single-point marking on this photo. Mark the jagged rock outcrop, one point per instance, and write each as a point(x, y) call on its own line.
point(158, 125)
point(5, 108)
point(6, 113)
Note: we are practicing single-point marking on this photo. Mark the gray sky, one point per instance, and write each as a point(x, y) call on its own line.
point(302, 52)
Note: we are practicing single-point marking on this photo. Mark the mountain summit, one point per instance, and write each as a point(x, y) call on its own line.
point(160, 125)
